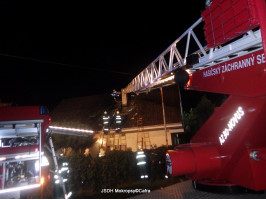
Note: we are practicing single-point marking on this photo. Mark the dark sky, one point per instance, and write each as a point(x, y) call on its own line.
point(51, 50)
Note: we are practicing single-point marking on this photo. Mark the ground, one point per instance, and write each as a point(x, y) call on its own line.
point(184, 190)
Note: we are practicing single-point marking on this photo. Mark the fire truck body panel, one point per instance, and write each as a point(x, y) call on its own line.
point(22, 133)
point(237, 128)
point(230, 146)
point(26, 113)
point(244, 75)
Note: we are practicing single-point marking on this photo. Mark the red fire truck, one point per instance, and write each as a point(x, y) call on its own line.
point(23, 165)
point(230, 148)
point(24, 130)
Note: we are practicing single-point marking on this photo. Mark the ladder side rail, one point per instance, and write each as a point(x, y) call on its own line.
point(56, 165)
point(251, 40)
point(53, 154)
point(61, 132)
point(187, 45)
point(160, 65)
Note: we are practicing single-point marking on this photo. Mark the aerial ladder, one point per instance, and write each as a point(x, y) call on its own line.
point(229, 150)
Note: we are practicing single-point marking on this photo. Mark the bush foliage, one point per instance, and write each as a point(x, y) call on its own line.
point(89, 175)
point(197, 116)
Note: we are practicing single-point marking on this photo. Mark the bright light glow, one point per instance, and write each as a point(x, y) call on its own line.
point(160, 80)
point(56, 181)
point(65, 164)
point(37, 166)
point(144, 176)
point(2, 158)
point(19, 188)
point(100, 141)
point(64, 169)
point(42, 180)
point(71, 129)
point(141, 163)
point(56, 176)
point(140, 152)
point(68, 195)
point(231, 125)
point(26, 156)
point(140, 156)
point(45, 161)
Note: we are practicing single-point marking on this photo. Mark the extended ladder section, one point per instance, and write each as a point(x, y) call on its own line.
point(160, 72)
point(143, 137)
point(20, 153)
point(64, 131)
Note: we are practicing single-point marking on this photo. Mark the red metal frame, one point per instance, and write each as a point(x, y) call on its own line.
point(12, 113)
point(227, 19)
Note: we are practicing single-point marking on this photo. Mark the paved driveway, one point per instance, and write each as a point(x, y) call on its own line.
point(185, 190)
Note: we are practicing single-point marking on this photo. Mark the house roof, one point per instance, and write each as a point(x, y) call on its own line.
point(87, 112)
point(149, 108)
point(82, 112)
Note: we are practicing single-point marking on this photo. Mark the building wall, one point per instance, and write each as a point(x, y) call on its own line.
point(128, 138)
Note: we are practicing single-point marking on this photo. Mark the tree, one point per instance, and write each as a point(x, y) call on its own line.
point(76, 143)
point(196, 117)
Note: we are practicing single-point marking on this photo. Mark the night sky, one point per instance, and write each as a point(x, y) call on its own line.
point(50, 50)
